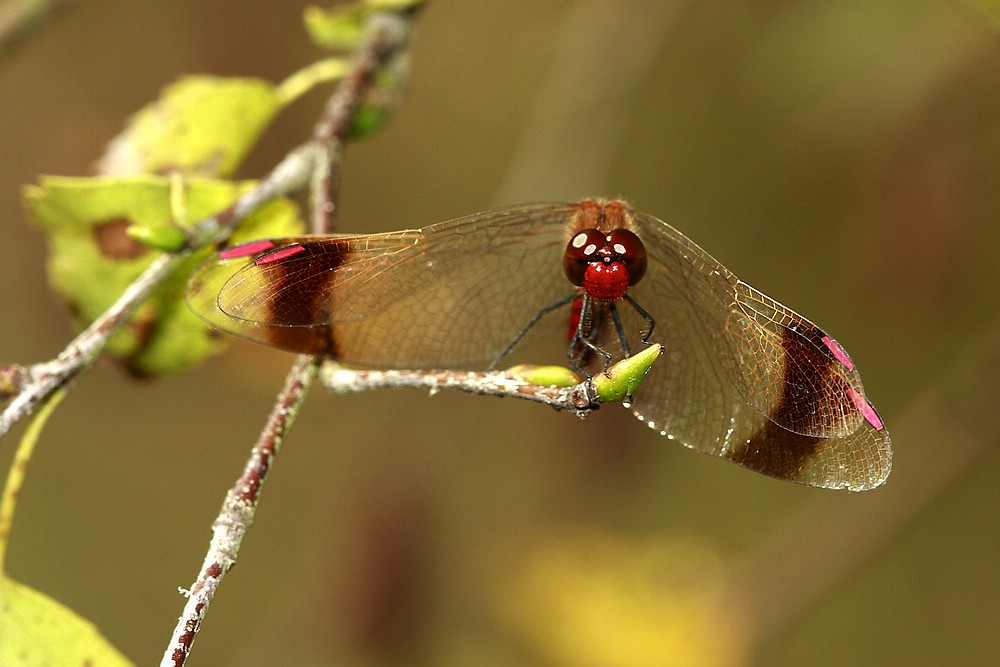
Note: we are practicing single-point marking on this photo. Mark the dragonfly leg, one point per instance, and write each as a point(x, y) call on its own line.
point(559, 303)
point(620, 330)
point(582, 339)
point(644, 315)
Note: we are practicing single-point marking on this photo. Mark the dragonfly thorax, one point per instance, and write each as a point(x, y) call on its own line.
point(604, 265)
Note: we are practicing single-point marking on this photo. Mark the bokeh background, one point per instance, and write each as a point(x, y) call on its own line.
point(841, 155)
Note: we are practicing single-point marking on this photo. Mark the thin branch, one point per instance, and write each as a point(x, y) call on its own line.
point(322, 192)
point(18, 18)
point(386, 34)
point(579, 399)
point(238, 511)
point(40, 380)
point(13, 377)
point(79, 355)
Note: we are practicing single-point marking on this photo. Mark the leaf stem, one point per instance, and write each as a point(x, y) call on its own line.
point(18, 468)
point(304, 80)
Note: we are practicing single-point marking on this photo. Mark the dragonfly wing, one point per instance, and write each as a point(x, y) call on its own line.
point(228, 292)
point(746, 378)
point(450, 294)
point(468, 292)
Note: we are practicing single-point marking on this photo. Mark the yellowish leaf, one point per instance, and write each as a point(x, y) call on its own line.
point(37, 631)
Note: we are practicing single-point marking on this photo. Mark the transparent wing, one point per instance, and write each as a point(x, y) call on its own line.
point(745, 378)
point(450, 294)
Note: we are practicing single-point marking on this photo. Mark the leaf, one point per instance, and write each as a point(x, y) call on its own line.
point(342, 27)
point(200, 125)
point(37, 631)
point(158, 237)
point(367, 120)
point(383, 98)
point(92, 257)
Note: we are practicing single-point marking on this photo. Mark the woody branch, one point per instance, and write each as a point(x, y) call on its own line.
point(386, 34)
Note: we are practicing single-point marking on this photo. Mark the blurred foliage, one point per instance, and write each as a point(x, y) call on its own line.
point(341, 27)
point(38, 631)
point(200, 126)
point(597, 599)
point(93, 258)
point(101, 230)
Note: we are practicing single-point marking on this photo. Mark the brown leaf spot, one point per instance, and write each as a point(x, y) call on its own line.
point(114, 243)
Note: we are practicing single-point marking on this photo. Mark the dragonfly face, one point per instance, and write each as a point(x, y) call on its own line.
point(743, 378)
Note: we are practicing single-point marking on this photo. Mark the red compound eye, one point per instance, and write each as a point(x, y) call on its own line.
point(629, 250)
point(592, 246)
point(581, 251)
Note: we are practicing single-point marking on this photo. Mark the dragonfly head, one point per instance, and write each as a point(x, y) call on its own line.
point(604, 265)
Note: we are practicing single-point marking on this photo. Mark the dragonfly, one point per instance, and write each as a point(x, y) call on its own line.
point(741, 376)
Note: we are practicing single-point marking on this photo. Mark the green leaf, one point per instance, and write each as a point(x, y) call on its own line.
point(623, 378)
point(342, 27)
point(339, 28)
point(383, 98)
point(158, 237)
point(200, 125)
point(367, 120)
point(37, 631)
point(93, 258)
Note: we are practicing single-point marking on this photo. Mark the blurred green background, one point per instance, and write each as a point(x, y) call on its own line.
point(842, 156)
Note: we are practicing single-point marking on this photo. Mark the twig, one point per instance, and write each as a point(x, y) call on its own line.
point(39, 380)
point(80, 354)
point(19, 17)
point(238, 511)
point(386, 34)
point(579, 399)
